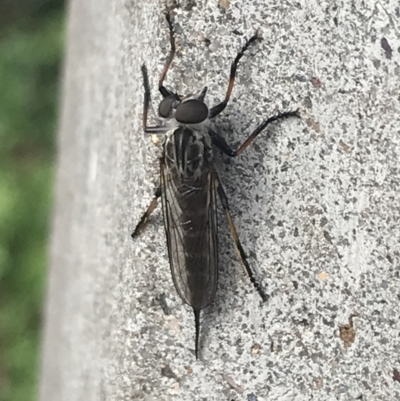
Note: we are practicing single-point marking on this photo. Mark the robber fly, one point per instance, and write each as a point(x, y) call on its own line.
point(189, 185)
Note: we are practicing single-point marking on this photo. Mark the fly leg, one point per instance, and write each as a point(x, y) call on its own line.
point(238, 245)
point(157, 129)
point(147, 96)
point(146, 216)
point(214, 111)
point(163, 90)
point(219, 141)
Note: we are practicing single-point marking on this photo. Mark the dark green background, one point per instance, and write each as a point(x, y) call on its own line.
point(31, 51)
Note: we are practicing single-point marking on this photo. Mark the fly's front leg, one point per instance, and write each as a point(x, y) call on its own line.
point(214, 111)
point(238, 245)
point(219, 141)
point(163, 90)
point(146, 216)
point(156, 129)
point(147, 96)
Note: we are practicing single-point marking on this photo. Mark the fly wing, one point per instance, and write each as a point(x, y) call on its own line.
point(190, 220)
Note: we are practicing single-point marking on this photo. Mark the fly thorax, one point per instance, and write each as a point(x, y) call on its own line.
point(188, 152)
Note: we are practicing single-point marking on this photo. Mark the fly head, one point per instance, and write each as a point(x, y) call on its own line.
point(192, 110)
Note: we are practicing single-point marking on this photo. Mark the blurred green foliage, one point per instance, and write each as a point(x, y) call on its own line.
point(31, 48)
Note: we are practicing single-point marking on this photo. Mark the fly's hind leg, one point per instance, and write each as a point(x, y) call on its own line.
point(146, 216)
point(238, 245)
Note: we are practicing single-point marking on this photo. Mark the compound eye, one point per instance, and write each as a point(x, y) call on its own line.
point(166, 105)
point(192, 111)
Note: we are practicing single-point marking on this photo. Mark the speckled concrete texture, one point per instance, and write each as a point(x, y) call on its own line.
point(316, 203)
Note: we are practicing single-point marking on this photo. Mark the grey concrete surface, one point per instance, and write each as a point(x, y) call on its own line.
point(317, 207)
